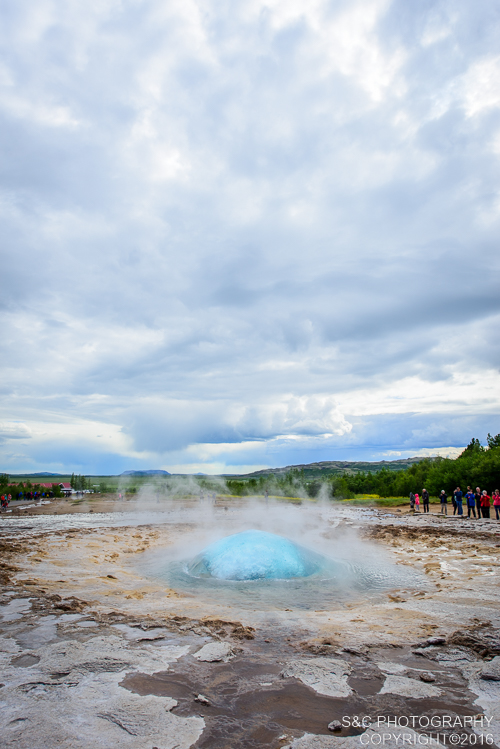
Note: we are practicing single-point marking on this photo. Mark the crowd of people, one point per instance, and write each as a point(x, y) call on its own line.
point(4, 501)
point(478, 502)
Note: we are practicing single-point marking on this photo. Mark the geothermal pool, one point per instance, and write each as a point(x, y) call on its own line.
point(261, 570)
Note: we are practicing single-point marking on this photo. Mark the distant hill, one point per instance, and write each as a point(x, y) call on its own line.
point(145, 473)
point(40, 475)
point(335, 467)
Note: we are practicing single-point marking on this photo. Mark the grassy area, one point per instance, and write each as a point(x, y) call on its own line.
point(374, 500)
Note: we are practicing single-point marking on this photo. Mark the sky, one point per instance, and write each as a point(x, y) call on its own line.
point(242, 235)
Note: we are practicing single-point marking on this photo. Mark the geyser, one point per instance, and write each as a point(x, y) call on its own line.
point(264, 571)
point(255, 555)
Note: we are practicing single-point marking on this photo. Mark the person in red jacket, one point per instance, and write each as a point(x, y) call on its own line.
point(485, 504)
point(496, 503)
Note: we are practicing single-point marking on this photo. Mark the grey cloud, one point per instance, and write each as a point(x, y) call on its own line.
point(172, 425)
point(13, 431)
point(207, 207)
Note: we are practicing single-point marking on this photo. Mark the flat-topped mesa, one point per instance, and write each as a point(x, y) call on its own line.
point(255, 555)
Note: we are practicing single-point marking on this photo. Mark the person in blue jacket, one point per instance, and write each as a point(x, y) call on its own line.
point(457, 495)
point(471, 502)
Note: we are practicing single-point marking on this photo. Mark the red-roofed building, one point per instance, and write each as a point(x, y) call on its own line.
point(64, 486)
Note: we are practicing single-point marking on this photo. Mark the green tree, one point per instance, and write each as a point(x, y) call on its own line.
point(474, 446)
point(493, 441)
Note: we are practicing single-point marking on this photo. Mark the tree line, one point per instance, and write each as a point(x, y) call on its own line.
point(475, 466)
point(79, 483)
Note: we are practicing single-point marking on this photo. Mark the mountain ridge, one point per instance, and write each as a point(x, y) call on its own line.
point(333, 467)
point(154, 472)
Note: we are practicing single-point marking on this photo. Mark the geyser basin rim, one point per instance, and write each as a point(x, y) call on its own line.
point(363, 570)
point(255, 555)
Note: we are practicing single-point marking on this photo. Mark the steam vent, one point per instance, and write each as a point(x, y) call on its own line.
point(255, 555)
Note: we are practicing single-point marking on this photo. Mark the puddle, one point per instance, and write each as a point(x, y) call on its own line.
point(251, 705)
point(24, 661)
point(44, 633)
point(133, 633)
point(15, 609)
point(243, 713)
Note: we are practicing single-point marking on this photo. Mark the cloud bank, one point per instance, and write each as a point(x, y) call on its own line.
point(247, 236)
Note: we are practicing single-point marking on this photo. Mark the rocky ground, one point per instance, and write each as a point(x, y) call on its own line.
point(96, 654)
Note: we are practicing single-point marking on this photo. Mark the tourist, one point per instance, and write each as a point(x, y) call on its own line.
point(417, 503)
point(425, 499)
point(478, 495)
point(457, 505)
point(444, 502)
point(496, 503)
point(471, 502)
point(412, 502)
point(485, 504)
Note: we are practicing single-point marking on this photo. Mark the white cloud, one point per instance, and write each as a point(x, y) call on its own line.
point(482, 86)
point(14, 431)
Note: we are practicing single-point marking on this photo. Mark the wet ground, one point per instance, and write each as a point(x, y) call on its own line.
point(97, 652)
point(251, 705)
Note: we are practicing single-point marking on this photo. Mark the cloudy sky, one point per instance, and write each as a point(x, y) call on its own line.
point(247, 234)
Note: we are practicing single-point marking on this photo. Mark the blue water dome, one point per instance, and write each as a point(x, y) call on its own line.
point(255, 555)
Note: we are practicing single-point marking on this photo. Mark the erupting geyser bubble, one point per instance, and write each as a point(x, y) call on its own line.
point(265, 571)
point(255, 555)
